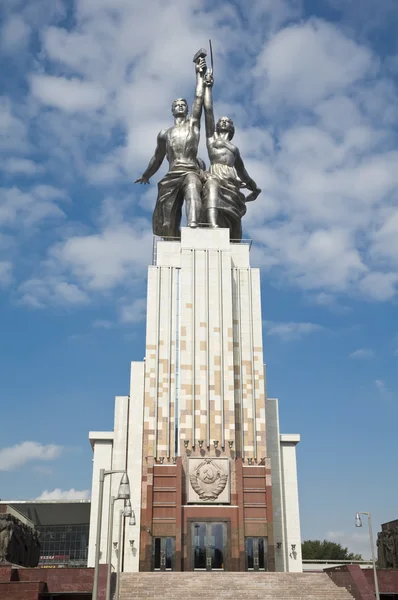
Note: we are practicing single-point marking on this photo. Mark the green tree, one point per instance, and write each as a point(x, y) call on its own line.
point(317, 550)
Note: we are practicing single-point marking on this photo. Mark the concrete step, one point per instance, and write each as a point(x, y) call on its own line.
point(230, 586)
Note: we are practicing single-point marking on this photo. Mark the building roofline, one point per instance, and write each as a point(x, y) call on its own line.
point(100, 436)
point(289, 438)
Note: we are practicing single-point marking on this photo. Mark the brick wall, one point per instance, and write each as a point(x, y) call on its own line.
point(28, 584)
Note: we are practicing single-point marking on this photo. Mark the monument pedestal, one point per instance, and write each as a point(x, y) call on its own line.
point(193, 434)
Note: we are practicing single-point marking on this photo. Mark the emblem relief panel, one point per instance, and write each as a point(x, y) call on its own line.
point(208, 481)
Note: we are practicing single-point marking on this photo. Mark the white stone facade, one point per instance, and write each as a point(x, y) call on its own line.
point(202, 379)
point(119, 450)
point(281, 449)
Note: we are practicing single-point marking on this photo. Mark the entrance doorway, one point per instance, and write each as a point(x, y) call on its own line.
point(163, 553)
point(208, 546)
point(256, 553)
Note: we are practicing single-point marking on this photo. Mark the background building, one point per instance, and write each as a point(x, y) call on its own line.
point(63, 526)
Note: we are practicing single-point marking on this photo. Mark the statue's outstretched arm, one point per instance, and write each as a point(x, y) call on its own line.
point(197, 104)
point(156, 160)
point(208, 103)
point(244, 176)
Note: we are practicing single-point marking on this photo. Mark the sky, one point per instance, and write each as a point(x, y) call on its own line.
point(86, 85)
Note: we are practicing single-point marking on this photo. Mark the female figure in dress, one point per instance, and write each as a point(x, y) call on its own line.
point(223, 202)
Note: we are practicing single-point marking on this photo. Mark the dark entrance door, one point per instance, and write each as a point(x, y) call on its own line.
point(163, 553)
point(256, 553)
point(208, 546)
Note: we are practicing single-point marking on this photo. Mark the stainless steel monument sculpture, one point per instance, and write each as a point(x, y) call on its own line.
point(213, 197)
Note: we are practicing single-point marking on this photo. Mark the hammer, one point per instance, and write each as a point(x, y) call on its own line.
point(202, 53)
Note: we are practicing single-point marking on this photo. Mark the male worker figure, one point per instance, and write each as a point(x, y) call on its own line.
point(179, 144)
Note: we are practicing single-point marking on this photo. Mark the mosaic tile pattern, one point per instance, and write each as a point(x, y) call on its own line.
point(204, 327)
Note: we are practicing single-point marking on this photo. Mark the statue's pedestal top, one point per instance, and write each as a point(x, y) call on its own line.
point(203, 237)
point(167, 253)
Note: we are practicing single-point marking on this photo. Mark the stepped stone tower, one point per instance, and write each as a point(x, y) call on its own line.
point(214, 483)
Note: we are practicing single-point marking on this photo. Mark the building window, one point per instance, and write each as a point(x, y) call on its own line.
point(257, 554)
point(163, 553)
point(63, 545)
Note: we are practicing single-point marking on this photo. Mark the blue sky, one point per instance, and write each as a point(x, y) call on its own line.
point(312, 88)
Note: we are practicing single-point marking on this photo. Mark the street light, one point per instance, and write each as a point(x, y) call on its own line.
point(123, 489)
point(358, 523)
point(122, 494)
point(126, 512)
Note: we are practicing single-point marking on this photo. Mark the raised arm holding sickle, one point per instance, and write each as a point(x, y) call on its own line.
point(223, 202)
point(179, 144)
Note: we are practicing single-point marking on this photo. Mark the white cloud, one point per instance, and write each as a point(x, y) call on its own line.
point(5, 272)
point(15, 34)
point(324, 258)
point(69, 95)
point(385, 244)
point(104, 260)
point(12, 128)
point(39, 293)
point(102, 324)
point(19, 208)
point(17, 456)
point(315, 59)
point(21, 166)
point(379, 383)
point(58, 494)
point(312, 58)
point(362, 353)
point(82, 267)
point(134, 312)
point(379, 286)
point(291, 330)
point(356, 542)
point(330, 301)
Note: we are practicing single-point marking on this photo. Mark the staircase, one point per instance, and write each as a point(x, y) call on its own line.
point(230, 586)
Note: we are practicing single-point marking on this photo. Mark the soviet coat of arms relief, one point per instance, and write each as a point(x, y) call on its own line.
point(208, 480)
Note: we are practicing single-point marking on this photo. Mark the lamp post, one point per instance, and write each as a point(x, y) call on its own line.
point(358, 523)
point(126, 512)
point(124, 488)
point(123, 494)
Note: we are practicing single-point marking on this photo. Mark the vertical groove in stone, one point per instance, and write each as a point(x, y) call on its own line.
point(208, 416)
point(220, 292)
point(193, 343)
point(169, 358)
point(158, 284)
point(242, 435)
point(249, 276)
point(177, 363)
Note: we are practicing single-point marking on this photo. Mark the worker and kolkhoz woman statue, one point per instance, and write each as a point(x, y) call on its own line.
point(214, 197)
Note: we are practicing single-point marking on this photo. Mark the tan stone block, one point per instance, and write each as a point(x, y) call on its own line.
point(217, 382)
